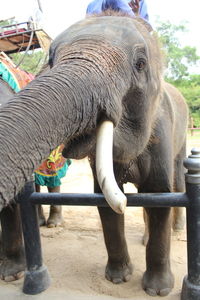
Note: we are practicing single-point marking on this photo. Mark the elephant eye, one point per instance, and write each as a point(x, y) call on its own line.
point(140, 64)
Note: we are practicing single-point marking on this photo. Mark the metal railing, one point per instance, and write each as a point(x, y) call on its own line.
point(37, 278)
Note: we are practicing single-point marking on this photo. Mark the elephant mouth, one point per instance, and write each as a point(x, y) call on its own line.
point(80, 146)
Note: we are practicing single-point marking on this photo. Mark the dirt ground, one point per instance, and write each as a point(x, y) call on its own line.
point(76, 256)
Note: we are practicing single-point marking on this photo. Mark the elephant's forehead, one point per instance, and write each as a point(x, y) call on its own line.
point(114, 29)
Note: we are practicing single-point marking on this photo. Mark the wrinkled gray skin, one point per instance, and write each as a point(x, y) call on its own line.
point(104, 68)
point(11, 247)
point(55, 215)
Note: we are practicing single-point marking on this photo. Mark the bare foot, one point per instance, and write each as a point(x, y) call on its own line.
point(42, 221)
point(118, 272)
point(158, 283)
point(55, 219)
point(12, 268)
point(178, 224)
point(41, 217)
point(145, 238)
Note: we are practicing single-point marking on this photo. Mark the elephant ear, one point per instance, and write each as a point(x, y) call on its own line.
point(146, 24)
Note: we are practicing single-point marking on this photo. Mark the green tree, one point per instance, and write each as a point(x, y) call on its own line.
point(190, 88)
point(179, 59)
point(31, 61)
point(7, 22)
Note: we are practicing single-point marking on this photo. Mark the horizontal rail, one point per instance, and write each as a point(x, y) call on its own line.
point(135, 199)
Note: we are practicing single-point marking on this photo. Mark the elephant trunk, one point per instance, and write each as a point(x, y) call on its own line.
point(47, 113)
point(56, 107)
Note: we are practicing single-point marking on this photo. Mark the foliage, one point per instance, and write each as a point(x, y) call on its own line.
point(31, 61)
point(190, 88)
point(179, 59)
point(6, 22)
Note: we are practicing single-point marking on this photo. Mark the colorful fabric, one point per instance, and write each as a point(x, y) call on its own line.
point(15, 77)
point(55, 167)
point(52, 169)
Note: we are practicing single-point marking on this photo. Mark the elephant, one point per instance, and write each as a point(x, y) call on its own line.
point(104, 97)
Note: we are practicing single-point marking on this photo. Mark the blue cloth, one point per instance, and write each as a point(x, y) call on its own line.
point(143, 12)
point(97, 6)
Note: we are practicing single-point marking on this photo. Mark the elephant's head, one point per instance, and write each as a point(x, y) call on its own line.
point(103, 68)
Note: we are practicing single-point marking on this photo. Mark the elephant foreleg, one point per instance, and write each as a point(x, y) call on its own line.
point(119, 267)
point(13, 263)
point(158, 278)
point(146, 228)
point(179, 186)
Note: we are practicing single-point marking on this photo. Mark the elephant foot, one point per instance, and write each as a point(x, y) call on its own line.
point(1, 250)
point(42, 221)
point(179, 224)
point(55, 219)
point(145, 239)
point(178, 219)
point(158, 283)
point(41, 217)
point(118, 272)
point(12, 268)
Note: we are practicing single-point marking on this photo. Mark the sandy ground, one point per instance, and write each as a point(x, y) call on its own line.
point(76, 256)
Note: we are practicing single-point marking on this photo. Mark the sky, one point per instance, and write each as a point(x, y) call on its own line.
point(60, 14)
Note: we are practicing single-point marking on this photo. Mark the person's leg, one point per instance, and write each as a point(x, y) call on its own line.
point(41, 217)
point(55, 215)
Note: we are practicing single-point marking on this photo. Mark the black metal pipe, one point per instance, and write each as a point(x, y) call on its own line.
point(37, 278)
point(191, 282)
point(147, 200)
point(30, 228)
point(193, 233)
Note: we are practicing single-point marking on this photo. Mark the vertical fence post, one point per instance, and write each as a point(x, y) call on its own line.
point(36, 277)
point(191, 282)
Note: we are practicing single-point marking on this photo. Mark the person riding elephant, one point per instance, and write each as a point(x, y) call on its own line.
point(134, 7)
point(103, 96)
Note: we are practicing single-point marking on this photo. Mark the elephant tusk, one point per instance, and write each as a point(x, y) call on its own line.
point(104, 168)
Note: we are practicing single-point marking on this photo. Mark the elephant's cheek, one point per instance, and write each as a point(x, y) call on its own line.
point(79, 147)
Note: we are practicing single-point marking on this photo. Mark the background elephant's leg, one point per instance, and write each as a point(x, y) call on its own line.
point(146, 231)
point(119, 267)
point(158, 278)
point(179, 186)
point(55, 216)
point(1, 247)
point(13, 264)
point(41, 217)
point(178, 218)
